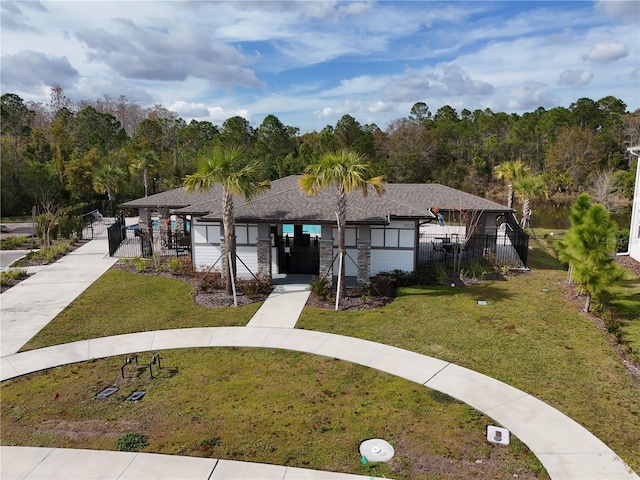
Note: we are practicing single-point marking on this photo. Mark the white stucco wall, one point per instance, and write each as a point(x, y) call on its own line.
point(206, 247)
point(392, 248)
point(634, 232)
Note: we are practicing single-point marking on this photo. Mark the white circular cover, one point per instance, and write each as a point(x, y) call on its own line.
point(376, 450)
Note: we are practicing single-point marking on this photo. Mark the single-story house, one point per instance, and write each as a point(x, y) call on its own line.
point(286, 231)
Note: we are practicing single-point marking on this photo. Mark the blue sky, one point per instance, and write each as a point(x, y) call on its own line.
point(311, 62)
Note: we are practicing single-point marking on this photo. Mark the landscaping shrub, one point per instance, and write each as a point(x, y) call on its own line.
point(254, 287)
point(475, 271)
point(174, 265)
point(430, 273)
point(211, 281)
point(140, 264)
point(12, 274)
point(384, 284)
point(131, 442)
point(622, 241)
point(12, 243)
point(320, 288)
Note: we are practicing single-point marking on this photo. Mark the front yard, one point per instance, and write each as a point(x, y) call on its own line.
point(296, 409)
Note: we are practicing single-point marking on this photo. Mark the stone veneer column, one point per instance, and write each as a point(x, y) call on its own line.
point(264, 251)
point(180, 225)
point(164, 228)
point(364, 262)
point(364, 254)
point(146, 230)
point(326, 258)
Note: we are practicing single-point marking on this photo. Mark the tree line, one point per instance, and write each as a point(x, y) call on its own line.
point(115, 150)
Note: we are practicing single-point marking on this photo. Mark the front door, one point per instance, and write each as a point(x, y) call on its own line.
point(299, 254)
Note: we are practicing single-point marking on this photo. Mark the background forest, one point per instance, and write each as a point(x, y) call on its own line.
point(115, 150)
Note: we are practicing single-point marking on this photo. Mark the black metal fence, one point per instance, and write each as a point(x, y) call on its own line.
point(137, 243)
point(505, 249)
point(116, 233)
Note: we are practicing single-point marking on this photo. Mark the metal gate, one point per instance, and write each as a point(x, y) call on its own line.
point(299, 255)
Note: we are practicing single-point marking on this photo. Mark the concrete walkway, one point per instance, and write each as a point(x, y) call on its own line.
point(566, 449)
point(33, 463)
point(283, 306)
point(34, 302)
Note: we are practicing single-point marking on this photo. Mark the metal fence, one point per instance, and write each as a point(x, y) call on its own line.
point(504, 249)
point(136, 243)
point(115, 234)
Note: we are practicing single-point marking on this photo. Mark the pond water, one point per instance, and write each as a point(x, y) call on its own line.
point(556, 215)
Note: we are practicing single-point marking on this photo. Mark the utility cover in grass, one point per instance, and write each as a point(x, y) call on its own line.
point(107, 392)
point(482, 302)
point(376, 450)
point(135, 396)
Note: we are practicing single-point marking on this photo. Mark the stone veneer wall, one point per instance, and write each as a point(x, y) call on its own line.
point(326, 259)
point(264, 257)
point(364, 262)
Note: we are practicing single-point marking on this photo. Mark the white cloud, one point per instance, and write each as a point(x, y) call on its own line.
point(575, 77)
point(327, 112)
point(529, 95)
point(189, 109)
point(219, 114)
point(607, 52)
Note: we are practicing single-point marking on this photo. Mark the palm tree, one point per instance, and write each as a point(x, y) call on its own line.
point(229, 168)
point(528, 188)
point(144, 162)
point(108, 179)
point(345, 171)
point(511, 172)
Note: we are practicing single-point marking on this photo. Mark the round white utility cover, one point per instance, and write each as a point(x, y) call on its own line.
point(376, 450)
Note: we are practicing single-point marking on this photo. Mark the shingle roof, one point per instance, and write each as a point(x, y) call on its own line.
point(285, 202)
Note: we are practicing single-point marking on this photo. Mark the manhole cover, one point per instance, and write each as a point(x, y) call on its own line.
point(135, 396)
point(107, 392)
point(376, 450)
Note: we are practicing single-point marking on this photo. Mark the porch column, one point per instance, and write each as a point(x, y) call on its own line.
point(264, 251)
point(364, 255)
point(146, 230)
point(326, 252)
point(180, 225)
point(165, 228)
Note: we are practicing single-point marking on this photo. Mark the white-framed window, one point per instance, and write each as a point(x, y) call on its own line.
point(397, 234)
point(206, 233)
point(246, 234)
point(350, 236)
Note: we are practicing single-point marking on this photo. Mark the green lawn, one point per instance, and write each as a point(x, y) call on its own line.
point(121, 302)
point(529, 334)
point(261, 405)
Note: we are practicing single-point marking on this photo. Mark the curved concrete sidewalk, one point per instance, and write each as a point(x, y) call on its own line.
point(33, 463)
point(566, 449)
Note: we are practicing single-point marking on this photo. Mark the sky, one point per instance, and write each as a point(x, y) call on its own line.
point(311, 62)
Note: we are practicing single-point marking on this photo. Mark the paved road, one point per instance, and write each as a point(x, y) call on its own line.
point(7, 257)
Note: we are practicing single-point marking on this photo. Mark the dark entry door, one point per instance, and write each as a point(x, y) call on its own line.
point(299, 254)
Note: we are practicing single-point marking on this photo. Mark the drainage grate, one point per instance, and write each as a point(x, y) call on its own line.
point(135, 396)
point(107, 392)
